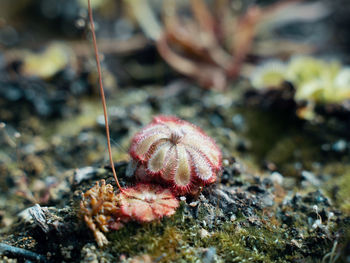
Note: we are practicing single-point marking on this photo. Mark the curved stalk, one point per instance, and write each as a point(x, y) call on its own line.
point(102, 95)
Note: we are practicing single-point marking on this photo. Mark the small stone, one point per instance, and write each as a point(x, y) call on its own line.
point(339, 146)
point(39, 217)
point(183, 198)
point(294, 242)
point(194, 204)
point(203, 233)
point(330, 215)
point(276, 177)
point(267, 200)
point(209, 255)
point(317, 224)
point(83, 174)
point(310, 178)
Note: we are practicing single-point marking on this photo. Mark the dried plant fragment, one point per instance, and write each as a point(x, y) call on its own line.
point(100, 210)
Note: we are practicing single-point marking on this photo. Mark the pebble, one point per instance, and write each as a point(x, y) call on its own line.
point(276, 177)
point(203, 233)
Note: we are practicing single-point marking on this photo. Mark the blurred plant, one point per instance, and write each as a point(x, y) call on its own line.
point(315, 86)
point(205, 49)
point(211, 47)
point(53, 59)
point(315, 80)
point(270, 74)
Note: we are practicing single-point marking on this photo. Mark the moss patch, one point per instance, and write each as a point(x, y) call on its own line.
point(180, 239)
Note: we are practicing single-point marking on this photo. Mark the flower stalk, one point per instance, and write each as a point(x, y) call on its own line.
point(103, 98)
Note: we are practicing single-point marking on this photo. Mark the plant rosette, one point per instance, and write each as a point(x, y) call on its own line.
point(147, 202)
point(176, 153)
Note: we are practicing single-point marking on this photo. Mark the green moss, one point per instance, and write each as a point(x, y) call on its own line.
point(343, 196)
point(339, 188)
point(169, 241)
point(251, 244)
point(179, 240)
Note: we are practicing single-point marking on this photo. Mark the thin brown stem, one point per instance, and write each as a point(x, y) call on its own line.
point(102, 95)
